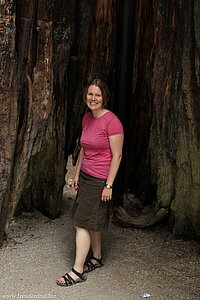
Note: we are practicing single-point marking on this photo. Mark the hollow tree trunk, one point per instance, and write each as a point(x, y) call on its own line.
point(48, 54)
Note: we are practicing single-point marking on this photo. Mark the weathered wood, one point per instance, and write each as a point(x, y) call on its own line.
point(8, 107)
point(44, 35)
point(25, 136)
point(47, 165)
point(141, 102)
point(163, 151)
point(144, 220)
point(176, 111)
point(102, 50)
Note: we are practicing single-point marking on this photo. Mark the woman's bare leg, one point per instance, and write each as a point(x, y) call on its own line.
point(96, 243)
point(83, 242)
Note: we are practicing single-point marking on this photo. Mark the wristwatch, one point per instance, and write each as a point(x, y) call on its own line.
point(108, 186)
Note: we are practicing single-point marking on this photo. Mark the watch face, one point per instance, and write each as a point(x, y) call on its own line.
point(108, 186)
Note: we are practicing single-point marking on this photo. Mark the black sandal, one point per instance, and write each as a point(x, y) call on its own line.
point(70, 281)
point(90, 266)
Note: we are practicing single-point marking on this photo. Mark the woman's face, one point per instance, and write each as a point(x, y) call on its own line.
point(94, 98)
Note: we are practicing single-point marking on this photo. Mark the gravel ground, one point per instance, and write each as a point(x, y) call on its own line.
point(41, 250)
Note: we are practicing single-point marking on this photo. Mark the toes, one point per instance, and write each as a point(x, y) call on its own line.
point(60, 281)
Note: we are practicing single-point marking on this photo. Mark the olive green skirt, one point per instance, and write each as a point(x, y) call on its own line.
point(88, 211)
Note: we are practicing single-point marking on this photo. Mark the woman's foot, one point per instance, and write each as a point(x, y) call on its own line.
point(92, 264)
point(71, 278)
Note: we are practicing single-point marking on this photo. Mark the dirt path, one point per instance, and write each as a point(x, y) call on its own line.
point(136, 261)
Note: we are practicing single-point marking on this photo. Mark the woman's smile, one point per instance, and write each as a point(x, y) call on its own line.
point(94, 98)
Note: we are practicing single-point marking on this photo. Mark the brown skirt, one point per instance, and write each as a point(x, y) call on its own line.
point(88, 211)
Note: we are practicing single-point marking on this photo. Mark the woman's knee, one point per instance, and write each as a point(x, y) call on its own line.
point(80, 228)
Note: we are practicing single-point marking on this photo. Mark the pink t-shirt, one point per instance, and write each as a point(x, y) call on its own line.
point(95, 142)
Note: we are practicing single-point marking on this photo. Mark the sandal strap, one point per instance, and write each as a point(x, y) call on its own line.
point(68, 279)
point(99, 260)
point(80, 275)
point(90, 265)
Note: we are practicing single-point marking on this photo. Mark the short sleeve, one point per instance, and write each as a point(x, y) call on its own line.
point(115, 126)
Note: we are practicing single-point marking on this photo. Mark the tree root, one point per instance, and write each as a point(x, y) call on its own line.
point(146, 219)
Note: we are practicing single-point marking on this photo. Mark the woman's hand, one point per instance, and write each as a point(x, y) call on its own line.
point(106, 194)
point(75, 182)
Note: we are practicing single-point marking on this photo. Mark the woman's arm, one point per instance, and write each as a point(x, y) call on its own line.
point(77, 171)
point(116, 144)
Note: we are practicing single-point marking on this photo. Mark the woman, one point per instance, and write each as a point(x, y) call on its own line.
point(97, 166)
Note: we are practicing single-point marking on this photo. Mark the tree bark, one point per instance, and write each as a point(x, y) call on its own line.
point(176, 110)
point(172, 157)
point(8, 107)
point(47, 165)
point(34, 110)
point(163, 145)
point(137, 166)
